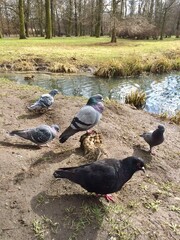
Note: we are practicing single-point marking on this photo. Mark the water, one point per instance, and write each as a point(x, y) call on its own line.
point(162, 91)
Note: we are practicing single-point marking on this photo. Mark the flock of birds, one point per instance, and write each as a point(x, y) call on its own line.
point(102, 177)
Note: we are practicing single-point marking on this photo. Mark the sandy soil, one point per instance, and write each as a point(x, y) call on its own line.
point(35, 206)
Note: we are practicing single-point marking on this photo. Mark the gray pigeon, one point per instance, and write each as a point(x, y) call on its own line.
point(86, 118)
point(44, 102)
point(154, 138)
point(104, 176)
point(39, 135)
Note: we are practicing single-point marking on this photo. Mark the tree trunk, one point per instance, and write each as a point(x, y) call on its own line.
point(75, 19)
point(48, 19)
point(58, 24)
point(2, 24)
point(151, 11)
point(177, 27)
point(113, 30)
point(21, 20)
point(27, 18)
point(99, 10)
point(53, 17)
point(40, 10)
point(69, 18)
point(80, 18)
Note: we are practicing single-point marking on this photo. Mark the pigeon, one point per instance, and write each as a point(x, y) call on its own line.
point(39, 135)
point(102, 177)
point(154, 138)
point(88, 116)
point(44, 102)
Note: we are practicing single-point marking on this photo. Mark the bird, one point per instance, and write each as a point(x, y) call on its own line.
point(88, 116)
point(44, 102)
point(31, 77)
point(154, 138)
point(102, 177)
point(39, 135)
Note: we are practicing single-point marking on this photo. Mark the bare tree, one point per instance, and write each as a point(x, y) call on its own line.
point(98, 22)
point(178, 25)
point(166, 8)
point(114, 20)
point(27, 15)
point(48, 19)
point(21, 20)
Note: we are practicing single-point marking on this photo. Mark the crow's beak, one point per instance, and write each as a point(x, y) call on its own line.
point(143, 169)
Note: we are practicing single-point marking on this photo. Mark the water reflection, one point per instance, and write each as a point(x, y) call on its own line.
point(163, 92)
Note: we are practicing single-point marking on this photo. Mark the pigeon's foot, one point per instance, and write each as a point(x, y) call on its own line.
point(151, 152)
point(43, 145)
point(90, 131)
point(108, 197)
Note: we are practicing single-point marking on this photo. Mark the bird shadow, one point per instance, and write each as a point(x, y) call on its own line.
point(30, 116)
point(19, 145)
point(139, 152)
point(52, 157)
point(74, 216)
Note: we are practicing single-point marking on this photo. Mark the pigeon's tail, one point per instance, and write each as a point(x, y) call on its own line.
point(67, 134)
point(20, 133)
point(34, 107)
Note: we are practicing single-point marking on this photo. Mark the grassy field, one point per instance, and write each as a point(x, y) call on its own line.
point(109, 59)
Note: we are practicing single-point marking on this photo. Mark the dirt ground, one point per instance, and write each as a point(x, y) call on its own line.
point(35, 206)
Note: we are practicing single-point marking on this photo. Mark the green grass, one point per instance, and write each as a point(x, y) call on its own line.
point(97, 52)
point(42, 225)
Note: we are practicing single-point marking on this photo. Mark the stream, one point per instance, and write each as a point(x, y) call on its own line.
point(162, 91)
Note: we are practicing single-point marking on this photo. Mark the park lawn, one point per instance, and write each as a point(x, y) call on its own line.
point(92, 51)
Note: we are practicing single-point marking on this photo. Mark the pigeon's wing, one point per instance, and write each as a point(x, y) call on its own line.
point(46, 100)
point(147, 137)
point(101, 179)
point(85, 119)
point(40, 135)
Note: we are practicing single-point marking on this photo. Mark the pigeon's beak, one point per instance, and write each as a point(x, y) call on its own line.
point(55, 174)
point(143, 169)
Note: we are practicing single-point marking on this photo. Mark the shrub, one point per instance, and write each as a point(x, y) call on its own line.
point(136, 98)
point(132, 66)
point(161, 65)
point(176, 118)
point(23, 65)
point(114, 69)
point(62, 68)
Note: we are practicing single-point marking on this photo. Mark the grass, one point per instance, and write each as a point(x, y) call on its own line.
point(173, 119)
point(42, 225)
point(126, 57)
point(152, 205)
point(174, 208)
point(136, 99)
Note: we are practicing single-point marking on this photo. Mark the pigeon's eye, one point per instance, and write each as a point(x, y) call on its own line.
point(139, 165)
